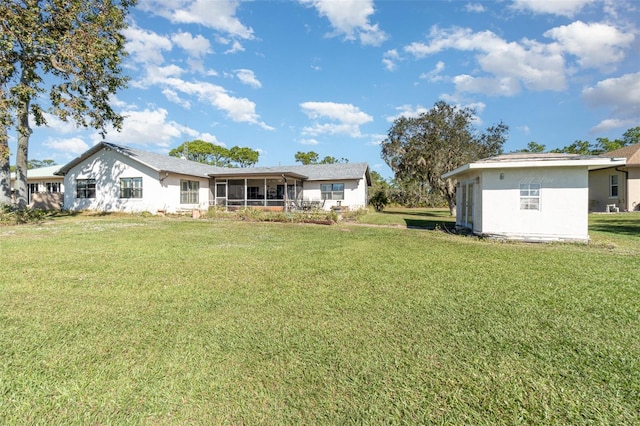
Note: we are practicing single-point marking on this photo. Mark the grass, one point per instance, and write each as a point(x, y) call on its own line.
point(174, 321)
point(411, 218)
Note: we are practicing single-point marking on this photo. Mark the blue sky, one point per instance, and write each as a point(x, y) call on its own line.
point(331, 76)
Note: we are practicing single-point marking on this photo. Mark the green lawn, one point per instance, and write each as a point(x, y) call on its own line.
point(110, 320)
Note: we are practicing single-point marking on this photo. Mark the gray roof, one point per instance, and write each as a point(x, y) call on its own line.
point(325, 172)
point(165, 163)
point(40, 172)
point(158, 162)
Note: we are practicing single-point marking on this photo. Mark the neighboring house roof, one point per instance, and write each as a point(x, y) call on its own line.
point(165, 163)
point(41, 172)
point(526, 159)
point(631, 153)
point(158, 162)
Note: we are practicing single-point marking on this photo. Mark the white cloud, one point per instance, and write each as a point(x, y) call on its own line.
point(594, 44)
point(248, 77)
point(351, 19)
point(434, 75)
point(474, 7)
point(173, 96)
point(309, 141)
point(534, 65)
point(196, 47)
point(145, 46)
point(621, 95)
point(553, 7)
point(68, 146)
point(219, 15)
point(390, 59)
point(408, 111)
point(346, 118)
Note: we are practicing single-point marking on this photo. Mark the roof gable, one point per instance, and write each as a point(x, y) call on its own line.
point(631, 153)
point(157, 162)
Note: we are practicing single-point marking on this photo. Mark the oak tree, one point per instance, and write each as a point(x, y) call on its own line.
point(60, 57)
point(421, 149)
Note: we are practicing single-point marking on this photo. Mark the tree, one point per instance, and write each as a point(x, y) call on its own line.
point(75, 47)
point(534, 147)
point(306, 158)
point(216, 155)
point(578, 147)
point(243, 156)
point(421, 149)
point(36, 164)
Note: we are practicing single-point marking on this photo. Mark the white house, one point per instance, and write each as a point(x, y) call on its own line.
point(538, 197)
point(617, 188)
point(45, 189)
point(110, 177)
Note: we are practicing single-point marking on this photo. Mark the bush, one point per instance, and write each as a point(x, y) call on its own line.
point(12, 216)
point(379, 200)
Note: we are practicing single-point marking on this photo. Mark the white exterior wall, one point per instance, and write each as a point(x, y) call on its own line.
point(355, 193)
point(563, 213)
point(107, 167)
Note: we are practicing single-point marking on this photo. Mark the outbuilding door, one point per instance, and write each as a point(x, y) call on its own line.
point(466, 208)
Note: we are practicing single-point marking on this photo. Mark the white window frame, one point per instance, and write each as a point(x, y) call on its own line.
point(530, 196)
point(332, 191)
point(131, 187)
point(613, 185)
point(189, 191)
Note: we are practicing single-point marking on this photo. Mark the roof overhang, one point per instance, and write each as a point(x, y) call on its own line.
point(243, 173)
point(594, 163)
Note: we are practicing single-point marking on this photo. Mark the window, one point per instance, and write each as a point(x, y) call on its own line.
point(86, 188)
point(613, 186)
point(131, 187)
point(529, 196)
point(189, 190)
point(53, 186)
point(332, 191)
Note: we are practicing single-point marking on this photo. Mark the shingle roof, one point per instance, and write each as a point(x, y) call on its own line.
point(631, 153)
point(158, 162)
point(323, 172)
point(40, 172)
point(166, 163)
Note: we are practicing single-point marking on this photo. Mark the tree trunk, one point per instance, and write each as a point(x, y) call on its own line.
point(22, 155)
point(452, 205)
point(5, 170)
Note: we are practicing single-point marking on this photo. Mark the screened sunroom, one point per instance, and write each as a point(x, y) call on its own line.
point(279, 192)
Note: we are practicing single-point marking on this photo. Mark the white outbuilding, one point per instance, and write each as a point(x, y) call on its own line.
point(527, 196)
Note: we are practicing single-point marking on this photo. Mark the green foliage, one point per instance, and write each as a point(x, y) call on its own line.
point(312, 157)
point(423, 148)
point(379, 200)
point(74, 48)
point(534, 147)
point(13, 216)
point(602, 145)
point(36, 164)
point(216, 155)
point(306, 158)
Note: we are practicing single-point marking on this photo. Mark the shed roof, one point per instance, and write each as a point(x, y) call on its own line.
point(40, 172)
point(527, 159)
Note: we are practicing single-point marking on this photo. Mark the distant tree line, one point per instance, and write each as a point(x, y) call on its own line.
point(601, 146)
point(312, 157)
point(216, 155)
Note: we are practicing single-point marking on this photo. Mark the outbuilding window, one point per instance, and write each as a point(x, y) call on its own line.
point(86, 188)
point(131, 187)
point(332, 191)
point(529, 196)
point(613, 186)
point(189, 190)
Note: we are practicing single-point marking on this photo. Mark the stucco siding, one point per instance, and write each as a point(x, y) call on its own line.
point(108, 167)
point(563, 210)
point(355, 193)
point(634, 189)
point(599, 190)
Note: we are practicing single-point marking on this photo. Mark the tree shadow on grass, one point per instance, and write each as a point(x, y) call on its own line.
point(619, 226)
point(429, 224)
